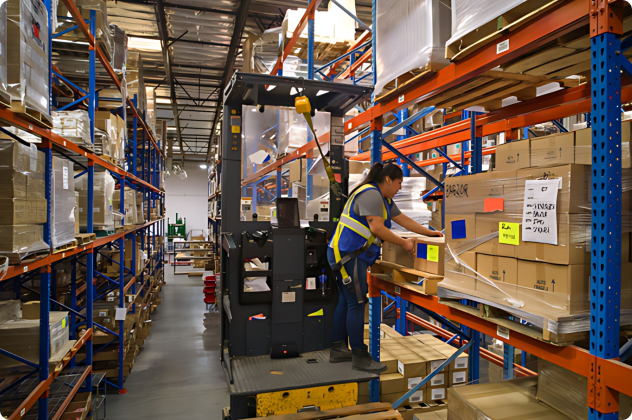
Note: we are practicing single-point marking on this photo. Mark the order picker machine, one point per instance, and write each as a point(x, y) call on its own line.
point(275, 329)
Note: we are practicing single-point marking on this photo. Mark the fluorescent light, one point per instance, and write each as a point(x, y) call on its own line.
point(171, 128)
point(163, 100)
point(254, 109)
point(270, 87)
point(203, 166)
point(134, 43)
point(322, 92)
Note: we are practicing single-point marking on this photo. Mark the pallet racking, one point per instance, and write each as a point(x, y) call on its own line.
point(144, 178)
point(601, 100)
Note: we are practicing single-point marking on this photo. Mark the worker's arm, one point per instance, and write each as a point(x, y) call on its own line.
point(408, 223)
point(376, 224)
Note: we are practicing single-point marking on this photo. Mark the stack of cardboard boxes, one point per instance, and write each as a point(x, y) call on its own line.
point(409, 360)
point(483, 218)
point(102, 210)
point(22, 201)
point(114, 126)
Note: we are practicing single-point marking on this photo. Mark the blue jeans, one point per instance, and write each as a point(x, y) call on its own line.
point(349, 315)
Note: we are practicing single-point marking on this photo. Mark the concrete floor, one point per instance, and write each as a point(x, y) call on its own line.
point(178, 373)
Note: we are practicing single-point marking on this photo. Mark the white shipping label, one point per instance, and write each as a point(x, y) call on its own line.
point(434, 365)
point(539, 214)
point(503, 46)
point(502, 332)
point(288, 297)
point(400, 367)
point(460, 363)
point(96, 210)
point(33, 157)
point(120, 314)
point(459, 377)
point(417, 397)
point(311, 283)
point(412, 382)
point(438, 379)
point(437, 394)
point(103, 313)
point(65, 177)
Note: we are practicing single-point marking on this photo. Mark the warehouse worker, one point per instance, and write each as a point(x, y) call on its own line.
point(355, 246)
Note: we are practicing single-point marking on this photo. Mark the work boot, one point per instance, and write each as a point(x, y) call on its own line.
point(362, 360)
point(339, 352)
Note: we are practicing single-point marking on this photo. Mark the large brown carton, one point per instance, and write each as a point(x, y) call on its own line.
point(513, 155)
point(574, 195)
point(460, 228)
point(460, 195)
point(393, 382)
point(497, 268)
point(21, 158)
point(417, 397)
point(429, 254)
point(22, 239)
point(489, 223)
point(411, 366)
point(496, 189)
point(573, 242)
point(583, 145)
point(436, 393)
point(558, 149)
point(19, 211)
point(507, 400)
point(559, 283)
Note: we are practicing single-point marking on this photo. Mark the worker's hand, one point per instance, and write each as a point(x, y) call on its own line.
point(438, 234)
point(409, 245)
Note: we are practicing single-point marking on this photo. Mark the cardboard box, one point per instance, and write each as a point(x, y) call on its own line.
point(567, 282)
point(458, 377)
point(411, 366)
point(436, 393)
point(417, 397)
point(357, 167)
point(430, 254)
point(583, 145)
point(513, 155)
point(496, 268)
point(498, 185)
point(31, 310)
point(433, 415)
point(22, 238)
point(460, 195)
point(21, 158)
point(513, 399)
point(440, 379)
point(460, 227)
point(393, 382)
point(488, 223)
point(558, 149)
point(20, 211)
point(574, 196)
point(390, 361)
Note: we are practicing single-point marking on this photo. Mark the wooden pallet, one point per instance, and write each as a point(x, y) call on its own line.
point(71, 245)
point(400, 83)
point(407, 277)
point(85, 238)
point(501, 317)
point(36, 117)
point(373, 411)
point(17, 258)
point(5, 99)
point(498, 27)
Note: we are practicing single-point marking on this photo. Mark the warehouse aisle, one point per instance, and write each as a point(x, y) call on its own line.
point(178, 374)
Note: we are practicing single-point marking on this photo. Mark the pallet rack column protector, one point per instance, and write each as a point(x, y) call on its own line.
point(605, 271)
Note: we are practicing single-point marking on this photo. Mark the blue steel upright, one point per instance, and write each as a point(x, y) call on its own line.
point(310, 44)
point(605, 272)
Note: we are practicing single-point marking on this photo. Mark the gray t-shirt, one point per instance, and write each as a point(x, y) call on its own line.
point(370, 203)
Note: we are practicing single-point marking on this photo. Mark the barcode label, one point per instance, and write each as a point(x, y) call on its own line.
point(502, 332)
point(417, 396)
point(501, 47)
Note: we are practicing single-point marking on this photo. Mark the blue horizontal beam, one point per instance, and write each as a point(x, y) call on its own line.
point(19, 359)
point(73, 103)
point(81, 174)
point(410, 120)
point(342, 57)
point(413, 164)
point(69, 82)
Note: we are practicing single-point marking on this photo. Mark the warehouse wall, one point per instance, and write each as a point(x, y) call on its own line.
point(189, 197)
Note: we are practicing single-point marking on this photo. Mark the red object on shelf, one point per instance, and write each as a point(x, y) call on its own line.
point(209, 290)
point(209, 299)
point(209, 283)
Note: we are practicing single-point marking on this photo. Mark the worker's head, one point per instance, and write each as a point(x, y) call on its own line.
point(388, 177)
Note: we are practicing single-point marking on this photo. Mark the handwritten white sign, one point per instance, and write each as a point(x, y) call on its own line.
point(539, 214)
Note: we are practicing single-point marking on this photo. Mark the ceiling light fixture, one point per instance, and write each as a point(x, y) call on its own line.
point(134, 43)
point(203, 166)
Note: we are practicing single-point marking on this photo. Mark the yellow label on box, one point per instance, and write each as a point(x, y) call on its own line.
point(509, 233)
point(235, 129)
point(63, 323)
point(433, 253)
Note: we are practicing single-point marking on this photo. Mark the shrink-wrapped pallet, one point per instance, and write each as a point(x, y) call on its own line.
point(63, 203)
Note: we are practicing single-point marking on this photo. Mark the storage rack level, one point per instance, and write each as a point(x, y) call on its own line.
point(145, 179)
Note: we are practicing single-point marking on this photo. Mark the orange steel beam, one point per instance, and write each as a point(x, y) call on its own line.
point(62, 409)
point(485, 354)
point(44, 386)
point(361, 40)
point(572, 358)
point(297, 154)
point(83, 27)
point(295, 36)
point(543, 29)
point(349, 71)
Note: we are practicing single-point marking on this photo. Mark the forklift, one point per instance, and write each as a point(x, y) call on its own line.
point(275, 340)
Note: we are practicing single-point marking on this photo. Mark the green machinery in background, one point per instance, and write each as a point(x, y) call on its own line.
point(177, 229)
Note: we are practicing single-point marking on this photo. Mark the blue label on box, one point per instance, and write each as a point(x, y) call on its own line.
point(422, 251)
point(458, 229)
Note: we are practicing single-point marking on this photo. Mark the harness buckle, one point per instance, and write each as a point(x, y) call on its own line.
point(347, 281)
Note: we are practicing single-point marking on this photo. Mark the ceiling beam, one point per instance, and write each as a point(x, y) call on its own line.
point(235, 42)
point(166, 53)
point(195, 41)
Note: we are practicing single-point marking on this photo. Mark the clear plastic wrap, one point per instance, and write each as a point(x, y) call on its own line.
point(24, 165)
point(468, 15)
point(27, 60)
point(119, 48)
point(409, 201)
point(414, 29)
point(506, 400)
point(103, 35)
point(103, 193)
point(3, 46)
point(22, 240)
point(64, 202)
point(130, 206)
point(101, 142)
point(73, 126)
